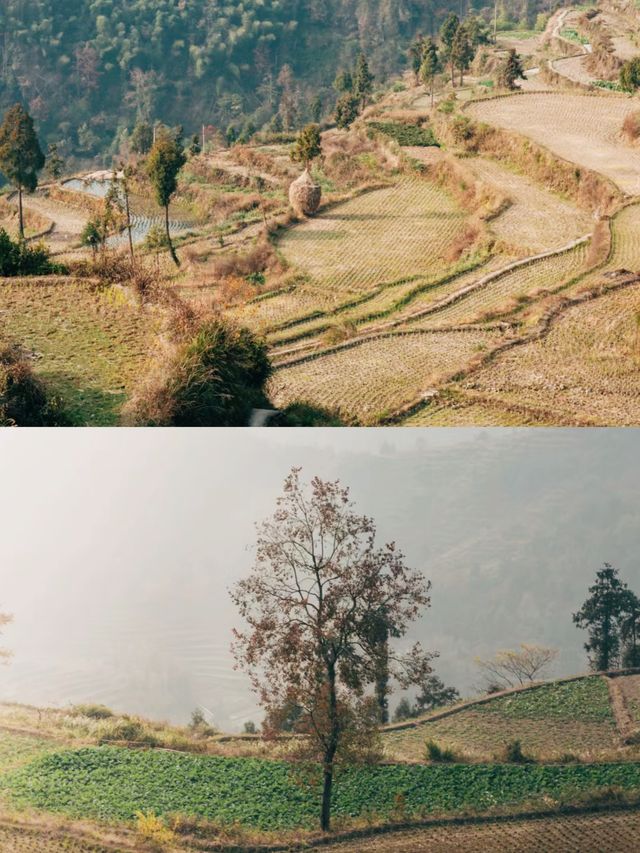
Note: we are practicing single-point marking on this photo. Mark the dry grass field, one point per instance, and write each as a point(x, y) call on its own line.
point(87, 345)
point(585, 129)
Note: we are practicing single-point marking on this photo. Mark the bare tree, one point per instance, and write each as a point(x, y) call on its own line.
point(318, 582)
point(513, 667)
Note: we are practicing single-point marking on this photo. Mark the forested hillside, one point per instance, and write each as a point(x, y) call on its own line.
point(90, 69)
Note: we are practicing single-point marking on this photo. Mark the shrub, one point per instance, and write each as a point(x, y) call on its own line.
point(513, 753)
point(24, 400)
point(630, 75)
point(434, 752)
point(214, 379)
point(95, 712)
point(18, 258)
point(631, 126)
point(129, 730)
point(153, 828)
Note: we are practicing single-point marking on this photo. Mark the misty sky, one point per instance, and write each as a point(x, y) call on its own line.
point(118, 547)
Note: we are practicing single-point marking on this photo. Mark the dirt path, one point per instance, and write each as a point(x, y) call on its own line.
point(624, 692)
point(68, 223)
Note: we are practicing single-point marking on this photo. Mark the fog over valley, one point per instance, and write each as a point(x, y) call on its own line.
point(117, 554)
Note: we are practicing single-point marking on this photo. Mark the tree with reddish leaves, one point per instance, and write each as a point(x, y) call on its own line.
point(318, 584)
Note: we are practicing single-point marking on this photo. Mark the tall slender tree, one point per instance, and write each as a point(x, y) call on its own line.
point(362, 81)
point(630, 630)
point(318, 584)
point(601, 616)
point(448, 32)
point(462, 51)
point(430, 66)
point(21, 157)
point(166, 158)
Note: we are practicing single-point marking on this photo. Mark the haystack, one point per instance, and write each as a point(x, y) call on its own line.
point(305, 195)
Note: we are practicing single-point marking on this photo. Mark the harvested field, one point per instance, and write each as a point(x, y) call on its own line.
point(504, 293)
point(629, 686)
point(553, 720)
point(585, 368)
point(87, 346)
point(376, 377)
point(588, 833)
point(586, 129)
point(22, 839)
point(469, 412)
point(380, 236)
point(537, 220)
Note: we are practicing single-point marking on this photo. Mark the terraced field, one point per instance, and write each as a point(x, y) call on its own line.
point(536, 220)
point(554, 720)
point(377, 376)
point(380, 236)
point(587, 833)
point(23, 839)
point(586, 129)
point(88, 346)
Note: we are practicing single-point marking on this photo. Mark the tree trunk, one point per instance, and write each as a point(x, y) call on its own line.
point(126, 202)
point(172, 251)
point(325, 818)
point(461, 78)
point(432, 93)
point(453, 81)
point(20, 213)
point(330, 749)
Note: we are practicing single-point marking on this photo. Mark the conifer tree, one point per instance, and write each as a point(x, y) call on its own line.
point(448, 32)
point(511, 71)
point(430, 66)
point(308, 146)
point(362, 81)
point(21, 157)
point(601, 615)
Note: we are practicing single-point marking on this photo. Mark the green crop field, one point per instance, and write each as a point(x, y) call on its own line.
point(110, 783)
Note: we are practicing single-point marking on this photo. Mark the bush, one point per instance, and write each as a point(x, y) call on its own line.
point(129, 730)
point(18, 258)
point(153, 828)
point(630, 75)
point(513, 753)
point(24, 400)
point(435, 753)
point(215, 379)
point(631, 126)
point(95, 712)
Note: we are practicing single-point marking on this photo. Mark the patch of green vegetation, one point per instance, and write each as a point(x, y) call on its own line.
point(109, 783)
point(586, 700)
point(608, 84)
point(573, 35)
point(405, 134)
point(517, 34)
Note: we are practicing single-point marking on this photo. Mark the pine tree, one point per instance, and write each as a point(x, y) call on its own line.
point(630, 630)
point(166, 158)
point(511, 71)
point(21, 157)
point(462, 51)
point(362, 81)
point(430, 66)
point(448, 32)
point(308, 145)
point(346, 110)
point(601, 615)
